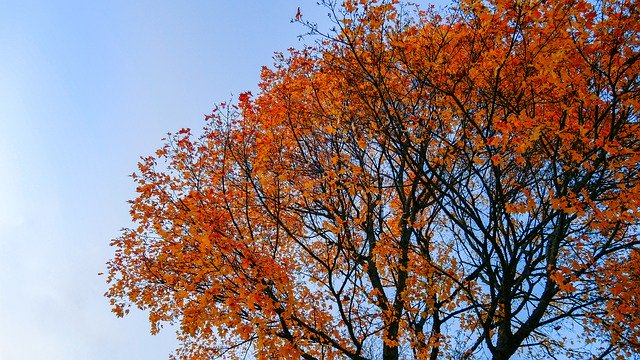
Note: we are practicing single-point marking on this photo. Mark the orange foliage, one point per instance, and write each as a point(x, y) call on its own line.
point(417, 185)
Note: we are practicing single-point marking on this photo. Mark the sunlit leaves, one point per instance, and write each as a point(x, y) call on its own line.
point(417, 184)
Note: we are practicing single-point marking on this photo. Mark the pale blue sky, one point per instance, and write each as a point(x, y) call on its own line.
point(85, 88)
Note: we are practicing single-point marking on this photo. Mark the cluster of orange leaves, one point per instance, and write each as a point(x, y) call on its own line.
point(300, 224)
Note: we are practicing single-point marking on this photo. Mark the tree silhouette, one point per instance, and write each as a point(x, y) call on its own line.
point(415, 186)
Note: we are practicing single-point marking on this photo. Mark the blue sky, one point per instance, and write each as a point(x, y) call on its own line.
point(85, 89)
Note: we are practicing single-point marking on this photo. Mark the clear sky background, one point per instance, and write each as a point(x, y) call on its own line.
point(86, 87)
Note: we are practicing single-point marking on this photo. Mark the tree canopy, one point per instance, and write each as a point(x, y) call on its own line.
point(419, 184)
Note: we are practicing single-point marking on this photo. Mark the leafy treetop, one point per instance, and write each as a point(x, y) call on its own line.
point(418, 185)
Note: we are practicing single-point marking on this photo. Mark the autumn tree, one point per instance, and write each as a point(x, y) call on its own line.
point(420, 184)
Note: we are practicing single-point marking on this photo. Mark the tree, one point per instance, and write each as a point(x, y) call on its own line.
point(414, 186)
